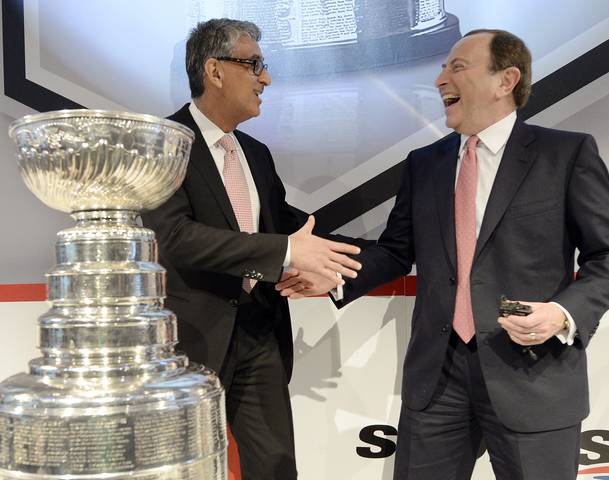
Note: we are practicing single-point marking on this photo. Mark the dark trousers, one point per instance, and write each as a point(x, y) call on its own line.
point(257, 399)
point(443, 440)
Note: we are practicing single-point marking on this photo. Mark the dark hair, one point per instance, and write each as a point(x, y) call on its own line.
point(214, 38)
point(507, 50)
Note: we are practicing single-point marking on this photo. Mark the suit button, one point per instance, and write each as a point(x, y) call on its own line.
point(446, 328)
point(233, 302)
point(452, 280)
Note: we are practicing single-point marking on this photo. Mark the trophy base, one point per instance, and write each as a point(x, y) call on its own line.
point(205, 468)
point(165, 427)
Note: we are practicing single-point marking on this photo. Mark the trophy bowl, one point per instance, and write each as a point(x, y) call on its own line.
point(75, 160)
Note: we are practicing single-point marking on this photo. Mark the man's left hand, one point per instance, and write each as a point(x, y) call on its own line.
point(545, 321)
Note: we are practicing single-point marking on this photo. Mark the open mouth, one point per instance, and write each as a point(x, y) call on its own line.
point(450, 100)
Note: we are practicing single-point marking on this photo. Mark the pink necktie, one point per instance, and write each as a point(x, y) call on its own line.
point(465, 231)
point(238, 192)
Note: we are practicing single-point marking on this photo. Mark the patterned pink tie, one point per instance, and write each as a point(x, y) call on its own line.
point(465, 231)
point(238, 192)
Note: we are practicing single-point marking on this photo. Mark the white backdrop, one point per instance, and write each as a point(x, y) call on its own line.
point(347, 363)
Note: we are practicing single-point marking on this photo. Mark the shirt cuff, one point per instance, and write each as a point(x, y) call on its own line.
point(288, 255)
point(337, 292)
point(564, 336)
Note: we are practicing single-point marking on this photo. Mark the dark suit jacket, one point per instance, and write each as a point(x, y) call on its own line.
point(550, 196)
point(206, 256)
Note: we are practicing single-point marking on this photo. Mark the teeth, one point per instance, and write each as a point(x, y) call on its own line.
point(449, 99)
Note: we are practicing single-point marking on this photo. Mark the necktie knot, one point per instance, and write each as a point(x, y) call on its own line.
point(227, 143)
point(472, 142)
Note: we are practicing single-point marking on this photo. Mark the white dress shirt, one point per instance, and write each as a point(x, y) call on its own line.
point(489, 152)
point(212, 134)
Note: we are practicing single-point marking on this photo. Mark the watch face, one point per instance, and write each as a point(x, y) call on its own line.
point(312, 37)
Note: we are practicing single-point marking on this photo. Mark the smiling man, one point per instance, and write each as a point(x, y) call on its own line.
point(497, 208)
point(224, 238)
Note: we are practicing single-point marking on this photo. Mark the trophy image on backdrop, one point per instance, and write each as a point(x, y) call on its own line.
point(321, 37)
point(109, 397)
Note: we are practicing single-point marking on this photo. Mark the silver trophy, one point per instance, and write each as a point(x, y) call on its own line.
point(109, 398)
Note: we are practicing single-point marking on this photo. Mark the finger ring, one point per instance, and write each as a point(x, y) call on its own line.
point(533, 335)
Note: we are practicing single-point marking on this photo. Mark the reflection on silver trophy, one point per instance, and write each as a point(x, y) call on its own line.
point(109, 398)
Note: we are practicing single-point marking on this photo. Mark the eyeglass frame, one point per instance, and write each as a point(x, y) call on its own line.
point(254, 62)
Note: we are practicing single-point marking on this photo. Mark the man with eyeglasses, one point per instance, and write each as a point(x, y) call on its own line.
point(224, 238)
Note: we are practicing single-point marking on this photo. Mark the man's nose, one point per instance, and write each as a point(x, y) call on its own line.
point(265, 78)
point(441, 78)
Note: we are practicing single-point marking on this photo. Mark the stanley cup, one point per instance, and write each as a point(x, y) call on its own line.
point(109, 398)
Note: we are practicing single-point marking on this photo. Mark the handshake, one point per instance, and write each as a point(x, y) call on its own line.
point(317, 265)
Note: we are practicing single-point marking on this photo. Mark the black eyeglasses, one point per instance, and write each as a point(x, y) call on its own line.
point(257, 65)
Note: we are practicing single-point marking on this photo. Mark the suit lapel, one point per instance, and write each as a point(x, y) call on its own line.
point(515, 164)
point(202, 161)
point(261, 180)
point(444, 185)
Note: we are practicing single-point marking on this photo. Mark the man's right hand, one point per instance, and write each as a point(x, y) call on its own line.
point(306, 284)
point(324, 257)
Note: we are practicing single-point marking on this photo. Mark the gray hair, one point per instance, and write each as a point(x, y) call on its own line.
point(214, 38)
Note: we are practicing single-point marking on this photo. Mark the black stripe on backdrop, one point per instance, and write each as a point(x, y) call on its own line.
point(546, 92)
point(16, 85)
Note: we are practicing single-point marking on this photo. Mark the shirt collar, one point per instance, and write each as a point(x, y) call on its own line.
point(210, 131)
point(496, 136)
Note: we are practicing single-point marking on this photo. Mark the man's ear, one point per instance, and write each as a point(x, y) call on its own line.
point(509, 79)
point(214, 73)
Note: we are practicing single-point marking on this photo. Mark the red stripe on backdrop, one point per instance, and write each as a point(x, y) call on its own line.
point(234, 468)
point(589, 471)
point(23, 292)
point(402, 286)
point(36, 292)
